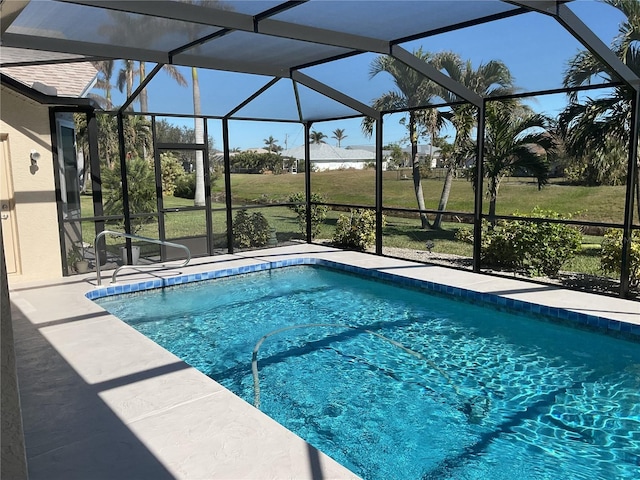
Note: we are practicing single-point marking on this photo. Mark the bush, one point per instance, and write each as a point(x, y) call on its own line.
point(500, 246)
point(611, 259)
point(541, 248)
point(251, 162)
point(357, 230)
point(250, 230)
point(464, 235)
point(172, 170)
point(547, 245)
point(142, 192)
point(185, 185)
point(318, 212)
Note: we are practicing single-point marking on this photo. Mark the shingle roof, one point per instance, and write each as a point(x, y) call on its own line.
point(69, 79)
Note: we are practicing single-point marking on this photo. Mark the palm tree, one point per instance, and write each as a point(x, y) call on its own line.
point(488, 79)
point(339, 135)
point(596, 127)
point(198, 31)
point(107, 140)
point(170, 70)
point(103, 82)
point(137, 135)
point(199, 199)
point(512, 142)
point(126, 76)
point(317, 137)
point(271, 143)
point(413, 90)
point(82, 149)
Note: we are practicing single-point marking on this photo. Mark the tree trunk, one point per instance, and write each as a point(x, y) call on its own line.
point(198, 201)
point(444, 197)
point(144, 99)
point(415, 167)
point(494, 184)
point(144, 102)
point(129, 75)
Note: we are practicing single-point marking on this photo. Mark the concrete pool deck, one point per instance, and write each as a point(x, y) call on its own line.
point(101, 401)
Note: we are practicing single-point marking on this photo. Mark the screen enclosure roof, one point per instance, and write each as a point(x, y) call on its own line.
point(270, 59)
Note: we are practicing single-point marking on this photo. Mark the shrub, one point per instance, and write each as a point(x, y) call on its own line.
point(611, 259)
point(318, 212)
point(539, 247)
point(250, 230)
point(185, 185)
point(548, 246)
point(252, 162)
point(425, 169)
point(142, 192)
point(500, 245)
point(357, 230)
point(172, 170)
point(464, 235)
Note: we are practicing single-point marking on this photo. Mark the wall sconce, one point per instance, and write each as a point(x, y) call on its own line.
point(34, 156)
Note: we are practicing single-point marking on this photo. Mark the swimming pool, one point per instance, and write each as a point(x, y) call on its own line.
point(395, 383)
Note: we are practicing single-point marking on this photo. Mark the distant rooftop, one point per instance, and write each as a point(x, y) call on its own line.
point(324, 151)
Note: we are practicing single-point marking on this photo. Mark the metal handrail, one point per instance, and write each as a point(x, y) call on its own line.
point(136, 237)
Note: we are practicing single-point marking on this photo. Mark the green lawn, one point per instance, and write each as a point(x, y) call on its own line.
point(605, 204)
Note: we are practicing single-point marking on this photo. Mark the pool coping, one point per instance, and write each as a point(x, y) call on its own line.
point(603, 324)
point(100, 400)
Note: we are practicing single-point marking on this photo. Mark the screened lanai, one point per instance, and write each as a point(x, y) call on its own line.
point(252, 69)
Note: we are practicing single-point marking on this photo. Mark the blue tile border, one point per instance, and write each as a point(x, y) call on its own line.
point(570, 317)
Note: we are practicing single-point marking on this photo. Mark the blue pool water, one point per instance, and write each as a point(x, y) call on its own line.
point(400, 384)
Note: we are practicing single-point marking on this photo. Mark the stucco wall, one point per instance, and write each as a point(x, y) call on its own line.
point(27, 126)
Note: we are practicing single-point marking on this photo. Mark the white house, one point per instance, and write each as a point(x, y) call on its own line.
point(327, 157)
point(424, 152)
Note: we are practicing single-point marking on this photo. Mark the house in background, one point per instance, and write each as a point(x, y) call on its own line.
point(326, 157)
point(39, 171)
point(425, 152)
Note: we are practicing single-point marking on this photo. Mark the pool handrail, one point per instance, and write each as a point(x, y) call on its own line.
point(104, 233)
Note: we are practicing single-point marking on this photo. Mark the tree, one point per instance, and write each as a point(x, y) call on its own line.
point(198, 201)
point(595, 127)
point(252, 162)
point(339, 135)
point(488, 79)
point(141, 194)
point(317, 137)
point(103, 82)
point(170, 70)
point(137, 135)
point(125, 78)
point(397, 157)
point(413, 90)
point(271, 144)
point(108, 147)
point(513, 141)
point(82, 150)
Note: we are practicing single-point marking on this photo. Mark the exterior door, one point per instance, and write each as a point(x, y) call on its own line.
point(7, 208)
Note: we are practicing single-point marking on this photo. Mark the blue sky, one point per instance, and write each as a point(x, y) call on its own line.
point(534, 47)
